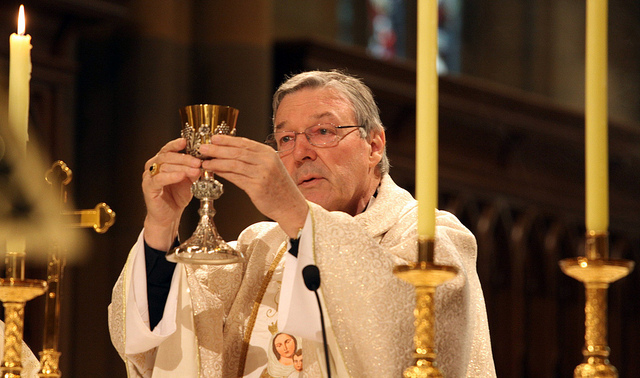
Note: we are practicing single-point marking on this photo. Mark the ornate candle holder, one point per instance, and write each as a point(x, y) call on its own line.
point(100, 218)
point(206, 246)
point(425, 276)
point(596, 271)
point(14, 294)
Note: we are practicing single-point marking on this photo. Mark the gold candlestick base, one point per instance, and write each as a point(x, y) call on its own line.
point(14, 294)
point(425, 276)
point(49, 361)
point(596, 271)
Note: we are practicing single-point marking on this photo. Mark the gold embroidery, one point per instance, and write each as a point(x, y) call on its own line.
point(256, 306)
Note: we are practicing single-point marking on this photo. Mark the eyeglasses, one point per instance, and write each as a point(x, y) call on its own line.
point(320, 135)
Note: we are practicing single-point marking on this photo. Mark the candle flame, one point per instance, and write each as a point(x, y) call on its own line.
point(21, 21)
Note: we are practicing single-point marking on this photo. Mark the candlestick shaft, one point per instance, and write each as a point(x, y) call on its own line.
point(596, 350)
point(49, 362)
point(425, 336)
point(597, 245)
point(426, 249)
point(13, 331)
point(596, 320)
point(55, 269)
point(14, 264)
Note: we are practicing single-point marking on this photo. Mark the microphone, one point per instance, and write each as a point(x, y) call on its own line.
point(311, 276)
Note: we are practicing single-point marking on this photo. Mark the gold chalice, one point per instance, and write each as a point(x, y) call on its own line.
point(205, 246)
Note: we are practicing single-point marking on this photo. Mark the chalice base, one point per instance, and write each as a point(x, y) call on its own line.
point(205, 246)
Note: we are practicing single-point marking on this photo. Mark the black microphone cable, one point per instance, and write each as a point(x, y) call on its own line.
point(311, 276)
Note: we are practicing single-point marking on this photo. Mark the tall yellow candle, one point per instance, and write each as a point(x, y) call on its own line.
point(596, 146)
point(427, 117)
point(19, 78)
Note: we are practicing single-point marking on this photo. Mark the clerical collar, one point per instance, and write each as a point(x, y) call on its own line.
point(372, 199)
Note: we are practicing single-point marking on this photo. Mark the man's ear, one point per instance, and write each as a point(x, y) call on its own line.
point(377, 143)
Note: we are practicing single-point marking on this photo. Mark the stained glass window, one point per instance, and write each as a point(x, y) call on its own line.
point(387, 29)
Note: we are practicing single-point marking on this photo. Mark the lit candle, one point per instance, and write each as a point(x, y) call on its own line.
point(427, 118)
point(596, 146)
point(18, 117)
point(19, 77)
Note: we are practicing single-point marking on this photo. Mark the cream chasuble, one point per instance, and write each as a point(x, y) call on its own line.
point(233, 309)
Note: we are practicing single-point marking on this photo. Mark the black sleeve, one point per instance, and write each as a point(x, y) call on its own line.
point(159, 274)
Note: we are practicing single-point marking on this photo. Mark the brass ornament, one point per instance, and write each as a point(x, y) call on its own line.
point(596, 271)
point(101, 218)
point(425, 276)
point(14, 294)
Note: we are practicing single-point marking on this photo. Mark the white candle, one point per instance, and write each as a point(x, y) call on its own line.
point(19, 78)
point(18, 117)
point(427, 118)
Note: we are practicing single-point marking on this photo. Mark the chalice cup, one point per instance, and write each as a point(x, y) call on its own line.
point(205, 246)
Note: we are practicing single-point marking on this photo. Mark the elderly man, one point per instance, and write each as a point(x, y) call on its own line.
point(325, 184)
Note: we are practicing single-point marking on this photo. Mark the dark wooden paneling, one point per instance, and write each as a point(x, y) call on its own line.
point(511, 167)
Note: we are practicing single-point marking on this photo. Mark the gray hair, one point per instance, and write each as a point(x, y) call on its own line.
point(353, 89)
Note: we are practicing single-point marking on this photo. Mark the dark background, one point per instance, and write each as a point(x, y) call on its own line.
point(109, 77)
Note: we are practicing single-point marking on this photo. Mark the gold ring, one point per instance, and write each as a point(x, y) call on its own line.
point(154, 169)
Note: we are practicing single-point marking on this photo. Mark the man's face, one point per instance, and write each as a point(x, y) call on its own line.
point(297, 362)
point(285, 345)
point(336, 178)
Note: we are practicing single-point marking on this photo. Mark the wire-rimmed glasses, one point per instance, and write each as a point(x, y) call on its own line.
point(320, 135)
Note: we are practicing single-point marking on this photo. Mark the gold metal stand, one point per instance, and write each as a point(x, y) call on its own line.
point(100, 219)
point(425, 276)
point(596, 271)
point(14, 294)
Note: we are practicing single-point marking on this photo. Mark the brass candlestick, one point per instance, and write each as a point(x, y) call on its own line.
point(14, 294)
point(425, 276)
point(100, 218)
point(596, 271)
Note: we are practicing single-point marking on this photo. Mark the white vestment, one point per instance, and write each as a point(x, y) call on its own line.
point(216, 317)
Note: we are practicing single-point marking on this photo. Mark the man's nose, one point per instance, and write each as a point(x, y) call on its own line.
point(303, 149)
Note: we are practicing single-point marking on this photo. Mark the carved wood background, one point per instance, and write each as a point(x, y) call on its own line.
point(512, 169)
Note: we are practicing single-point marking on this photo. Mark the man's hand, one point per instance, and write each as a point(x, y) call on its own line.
point(256, 168)
point(167, 192)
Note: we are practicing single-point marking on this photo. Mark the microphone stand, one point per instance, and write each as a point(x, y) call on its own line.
point(311, 276)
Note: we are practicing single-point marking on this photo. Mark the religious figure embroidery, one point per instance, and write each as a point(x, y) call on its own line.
point(284, 355)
